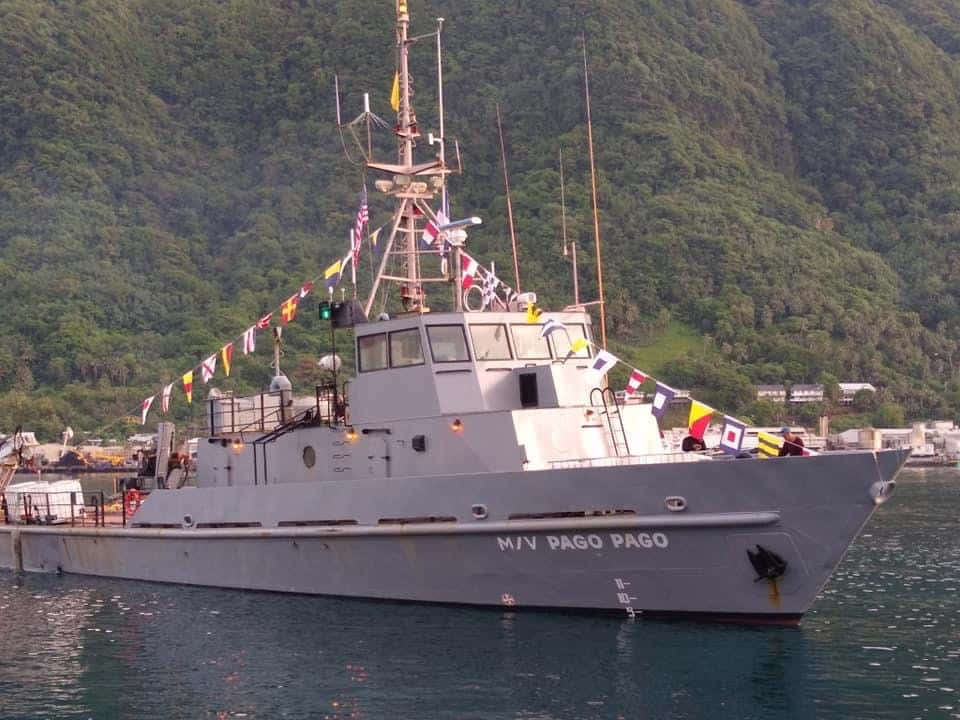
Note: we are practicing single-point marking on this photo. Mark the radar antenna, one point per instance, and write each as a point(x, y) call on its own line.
point(364, 122)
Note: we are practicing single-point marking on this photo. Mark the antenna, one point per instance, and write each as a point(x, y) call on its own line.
point(365, 119)
point(569, 248)
point(343, 143)
point(593, 187)
point(443, 137)
point(506, 184)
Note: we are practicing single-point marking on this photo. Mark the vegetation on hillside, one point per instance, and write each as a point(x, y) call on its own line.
point(780, 179)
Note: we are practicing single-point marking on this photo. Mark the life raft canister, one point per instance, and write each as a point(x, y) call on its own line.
point(131, 500)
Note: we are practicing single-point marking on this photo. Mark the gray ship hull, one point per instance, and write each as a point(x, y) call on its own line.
point(600, 539)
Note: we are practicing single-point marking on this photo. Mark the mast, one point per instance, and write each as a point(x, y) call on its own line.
point(414, 187)
point(411, 293)
point(443, 137)
point(571, 247)
point(506, 185)
point(593, 186)
point(412, 195)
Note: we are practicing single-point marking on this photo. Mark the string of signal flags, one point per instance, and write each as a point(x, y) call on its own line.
point(733, 430)
point(287, 310)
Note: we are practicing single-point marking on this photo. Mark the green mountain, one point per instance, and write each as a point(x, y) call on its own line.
point(778, 179)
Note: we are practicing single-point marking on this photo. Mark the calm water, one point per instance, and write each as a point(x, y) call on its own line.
point(883, 642)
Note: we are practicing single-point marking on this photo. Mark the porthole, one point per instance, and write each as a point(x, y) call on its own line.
point(309, 456)
point(676, 503)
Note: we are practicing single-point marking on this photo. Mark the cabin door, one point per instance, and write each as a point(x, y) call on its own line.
point(378, 458)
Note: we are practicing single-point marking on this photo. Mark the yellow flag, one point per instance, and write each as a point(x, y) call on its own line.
point(768, 445)
point(188, 385)
point(226, 353)
point(578, 345)
point(395, 93)
point(533, 313)
point(699, 419)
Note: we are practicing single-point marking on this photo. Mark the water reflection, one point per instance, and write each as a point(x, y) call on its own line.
point(155, 651)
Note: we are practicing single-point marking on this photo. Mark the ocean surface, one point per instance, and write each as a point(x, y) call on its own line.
point(883, 641)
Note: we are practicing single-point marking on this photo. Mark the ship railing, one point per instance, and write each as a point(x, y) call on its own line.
point(60, 507)
point(259, 413)
point(649, 459)
point(268, 411)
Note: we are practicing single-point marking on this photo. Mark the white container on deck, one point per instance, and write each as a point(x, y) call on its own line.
point(49, 501)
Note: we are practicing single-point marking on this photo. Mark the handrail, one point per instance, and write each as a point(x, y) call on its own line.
point(651, 459)
point(50, 507)
point(604, 393)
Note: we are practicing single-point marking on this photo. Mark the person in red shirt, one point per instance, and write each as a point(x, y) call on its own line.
point(792, 443)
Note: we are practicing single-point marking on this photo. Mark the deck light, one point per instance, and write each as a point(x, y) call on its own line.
point(457, 426)
point(351, 434)
point(237, 446)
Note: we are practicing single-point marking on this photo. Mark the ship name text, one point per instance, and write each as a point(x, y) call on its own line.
point(592, 541)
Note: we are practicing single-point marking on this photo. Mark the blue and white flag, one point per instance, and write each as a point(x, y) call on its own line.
point(731, 437)
point(662, 395)
point(550, 326)
point(604, 362)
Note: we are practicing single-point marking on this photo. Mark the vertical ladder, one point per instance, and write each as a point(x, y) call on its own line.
point(611, 411)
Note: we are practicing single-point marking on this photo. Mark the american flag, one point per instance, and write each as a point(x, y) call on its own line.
point(363, 217)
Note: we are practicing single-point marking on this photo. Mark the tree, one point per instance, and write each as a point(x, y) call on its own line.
point(889, 415)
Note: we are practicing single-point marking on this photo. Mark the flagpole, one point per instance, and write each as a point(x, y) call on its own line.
point(506, 185)
point(353, 265)
point(593, 186)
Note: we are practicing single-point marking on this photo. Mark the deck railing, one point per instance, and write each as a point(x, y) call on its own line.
point(60, 507)
point(651, 459)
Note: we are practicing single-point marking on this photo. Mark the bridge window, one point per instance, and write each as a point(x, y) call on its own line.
point(490, 342)
point(405, 348)
point(562, 341)
point(530, 346)
point(448, 343)
point(372, 352)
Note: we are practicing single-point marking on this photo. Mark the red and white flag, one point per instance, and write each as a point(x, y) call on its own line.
point(363, 217)
point(250, 340)
point(637, 379)
point(469, 268)
point(264, 322)
point(145, 408)
point(208, 367)
point(306, 288)
point(430, 232)
point(165, 398)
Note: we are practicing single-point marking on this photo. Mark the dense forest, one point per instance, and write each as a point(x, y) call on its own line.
point(778, 179)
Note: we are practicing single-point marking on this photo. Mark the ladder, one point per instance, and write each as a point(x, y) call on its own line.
point(611, 412)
